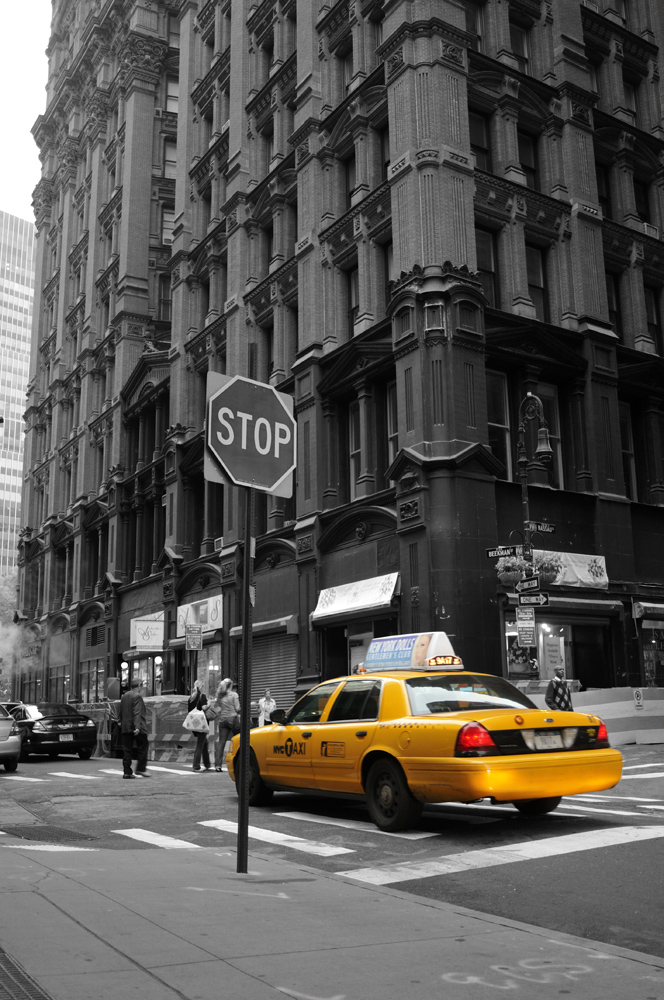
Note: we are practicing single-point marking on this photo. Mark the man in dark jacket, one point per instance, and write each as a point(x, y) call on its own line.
point(557, 694)
point(133, 726)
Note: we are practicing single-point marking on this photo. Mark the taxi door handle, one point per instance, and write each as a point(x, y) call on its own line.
point(306, 735)
point(362, 733)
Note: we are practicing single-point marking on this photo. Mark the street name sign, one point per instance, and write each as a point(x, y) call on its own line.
point(530, 583)
point(534, 600)
point(250, 435)
point(543, 527)
point(503, 550)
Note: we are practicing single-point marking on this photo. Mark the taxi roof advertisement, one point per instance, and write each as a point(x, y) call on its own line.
point(406, 651)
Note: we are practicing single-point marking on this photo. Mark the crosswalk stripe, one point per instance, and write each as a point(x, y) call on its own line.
point(595, 797)
point(156, 839)
point(632, 777)
point(48, 847)
point(355, 824)
point(633, 767)
point(595, 809)
point(527, 851)
point(168, 770)
point(21, 777)
point(110, 770)
point(283, 839)
point(72, 774)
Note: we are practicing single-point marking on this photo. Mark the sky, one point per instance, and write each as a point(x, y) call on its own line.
point(23, 74)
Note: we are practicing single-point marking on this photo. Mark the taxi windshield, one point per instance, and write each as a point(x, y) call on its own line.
point(454, 693)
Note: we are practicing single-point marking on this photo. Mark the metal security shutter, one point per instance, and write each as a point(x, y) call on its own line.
point(274, 666)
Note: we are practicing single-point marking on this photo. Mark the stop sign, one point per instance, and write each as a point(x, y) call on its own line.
point(251, 432)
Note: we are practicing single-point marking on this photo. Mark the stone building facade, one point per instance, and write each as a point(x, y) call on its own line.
point(408, 215)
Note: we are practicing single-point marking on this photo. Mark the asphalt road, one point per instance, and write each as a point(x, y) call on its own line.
point(592, 868)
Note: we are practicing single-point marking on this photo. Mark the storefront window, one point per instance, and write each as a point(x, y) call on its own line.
point(208, 668)
point(581, 647)
point(653, 653)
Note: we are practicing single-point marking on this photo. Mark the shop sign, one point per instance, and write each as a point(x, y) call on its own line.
point(146, 634)
point(206, 613)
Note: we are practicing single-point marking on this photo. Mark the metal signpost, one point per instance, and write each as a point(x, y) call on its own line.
point(250, 441)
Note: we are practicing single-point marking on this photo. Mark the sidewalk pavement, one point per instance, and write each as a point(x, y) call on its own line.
point(156, 925)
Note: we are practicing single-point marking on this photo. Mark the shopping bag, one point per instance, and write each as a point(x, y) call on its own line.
point(196, 722)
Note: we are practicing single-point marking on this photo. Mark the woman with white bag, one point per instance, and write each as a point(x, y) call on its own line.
point(228, 719)
point(197, 702)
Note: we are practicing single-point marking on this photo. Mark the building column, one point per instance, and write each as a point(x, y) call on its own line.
point(138, 564)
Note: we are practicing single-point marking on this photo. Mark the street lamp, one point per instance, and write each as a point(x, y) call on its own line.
point(530, 409)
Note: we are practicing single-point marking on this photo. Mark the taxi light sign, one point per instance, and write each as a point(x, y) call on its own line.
point(444, 661)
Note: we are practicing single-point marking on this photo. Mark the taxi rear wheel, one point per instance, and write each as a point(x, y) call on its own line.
point(537, 807)
point(12, 764)
point(391, 805)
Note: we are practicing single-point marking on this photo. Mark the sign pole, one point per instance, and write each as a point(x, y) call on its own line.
point(245, 690)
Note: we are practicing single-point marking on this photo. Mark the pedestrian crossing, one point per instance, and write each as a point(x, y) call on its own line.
point(343, 835)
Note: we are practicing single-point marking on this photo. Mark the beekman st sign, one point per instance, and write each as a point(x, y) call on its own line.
point(251, 442)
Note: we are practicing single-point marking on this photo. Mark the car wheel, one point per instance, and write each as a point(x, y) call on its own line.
point(537, 807)
point(25, 753)
point(85, 753)
point(11, 765)
point(258, 793)
point(391, 804)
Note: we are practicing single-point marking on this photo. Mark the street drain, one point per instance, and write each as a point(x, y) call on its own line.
point(16, 984)
point(46, 834)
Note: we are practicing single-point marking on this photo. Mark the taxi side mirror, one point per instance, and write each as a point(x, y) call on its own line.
point(279, 716)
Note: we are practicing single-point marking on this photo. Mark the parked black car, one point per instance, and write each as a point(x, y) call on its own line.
point(54, 729)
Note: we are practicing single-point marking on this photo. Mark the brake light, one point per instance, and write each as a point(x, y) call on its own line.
point(90, 722)
point(474, 736)
point(40, 726)
point(602, 734)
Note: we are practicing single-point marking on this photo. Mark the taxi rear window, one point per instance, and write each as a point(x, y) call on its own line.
point(443, 693)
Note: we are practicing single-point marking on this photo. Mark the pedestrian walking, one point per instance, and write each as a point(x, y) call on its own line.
point(228, 720)
point(266, 706)
point(134, 727)
point(198, 699)
point(557, 693)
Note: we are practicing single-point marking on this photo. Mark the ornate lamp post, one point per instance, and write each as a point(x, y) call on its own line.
point(530, 409)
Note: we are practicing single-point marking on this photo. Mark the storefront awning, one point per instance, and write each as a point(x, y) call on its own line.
point(643, 609)
point(287, 624)
point(208, 638)
point(352, 599)
point(578, 605)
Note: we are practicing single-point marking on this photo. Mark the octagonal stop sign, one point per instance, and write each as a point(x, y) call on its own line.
point(251, 433)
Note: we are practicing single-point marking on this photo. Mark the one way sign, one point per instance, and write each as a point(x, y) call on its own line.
point(534, 600)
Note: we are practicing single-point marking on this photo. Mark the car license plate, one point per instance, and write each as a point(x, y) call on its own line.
point(66, 736)
point(548, 741)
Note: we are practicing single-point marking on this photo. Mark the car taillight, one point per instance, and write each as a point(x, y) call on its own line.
point(90, 723)
point(474, 738)
point(40, 727)
point(602, 734)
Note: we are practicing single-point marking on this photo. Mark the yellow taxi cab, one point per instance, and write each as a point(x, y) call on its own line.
point(414, 726)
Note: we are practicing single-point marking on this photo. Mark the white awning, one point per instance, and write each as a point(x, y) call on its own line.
point(287, 624)
point(359, 598)
point(643, 609)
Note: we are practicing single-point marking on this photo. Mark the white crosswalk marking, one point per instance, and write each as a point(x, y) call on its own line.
point(594, 809)
point(282, 839)
point(633, 767)
point(168, 770)
point(72, 774)
point(156, 839)
point(633, 777)
point(110, 770)
point(356, 824)
point(21, 777)
point(527, 851)
point(47, 847)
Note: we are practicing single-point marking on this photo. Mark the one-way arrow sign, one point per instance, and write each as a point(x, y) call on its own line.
point(531, 600)
point(530, 583)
